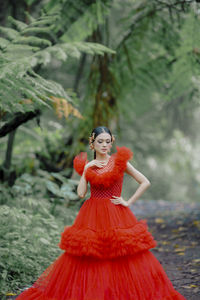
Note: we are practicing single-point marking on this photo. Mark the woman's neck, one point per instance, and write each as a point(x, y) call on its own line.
point(102, 157)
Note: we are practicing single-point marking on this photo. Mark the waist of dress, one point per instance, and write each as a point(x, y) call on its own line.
point(102, 198)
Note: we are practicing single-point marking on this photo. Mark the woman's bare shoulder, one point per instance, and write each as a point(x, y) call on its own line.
point(89, 162)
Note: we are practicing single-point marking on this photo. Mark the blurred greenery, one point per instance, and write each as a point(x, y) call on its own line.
point(69, 66)
point(31, 218)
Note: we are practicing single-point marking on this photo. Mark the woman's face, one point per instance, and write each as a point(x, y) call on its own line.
point(102, 143)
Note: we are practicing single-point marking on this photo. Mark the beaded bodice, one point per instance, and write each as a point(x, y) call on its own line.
point(101, 192)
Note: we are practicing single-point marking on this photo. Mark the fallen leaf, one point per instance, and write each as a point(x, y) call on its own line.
point(165, 242)
point(163, 226)
point(193, 285)
point(193, 270)
point(159, 220)
point(180, 249)
point(180, 228)
point(194, 243)
point(175, 230)
point(196, 260)
point(196, 223)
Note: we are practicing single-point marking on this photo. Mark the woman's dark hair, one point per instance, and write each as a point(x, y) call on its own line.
point(98, 130)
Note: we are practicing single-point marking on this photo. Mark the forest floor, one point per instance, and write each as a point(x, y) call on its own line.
point(176, 228)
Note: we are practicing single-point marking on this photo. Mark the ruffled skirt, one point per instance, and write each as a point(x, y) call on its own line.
point(107, 257)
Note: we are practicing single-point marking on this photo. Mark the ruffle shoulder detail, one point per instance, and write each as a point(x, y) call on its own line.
point(122, 156)
point(79, 162)
point(115, 169)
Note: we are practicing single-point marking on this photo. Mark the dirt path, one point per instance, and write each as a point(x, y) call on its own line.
point(176, 228)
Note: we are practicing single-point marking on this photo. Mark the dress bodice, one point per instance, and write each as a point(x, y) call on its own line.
point(102, 192)
point(108, 180)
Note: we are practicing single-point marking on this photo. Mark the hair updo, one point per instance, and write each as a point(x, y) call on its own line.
point(95, 132)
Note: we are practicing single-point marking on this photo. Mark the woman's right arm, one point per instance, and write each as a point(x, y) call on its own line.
point(82, 186)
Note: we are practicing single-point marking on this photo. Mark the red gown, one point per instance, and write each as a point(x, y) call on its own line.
point(106, 250)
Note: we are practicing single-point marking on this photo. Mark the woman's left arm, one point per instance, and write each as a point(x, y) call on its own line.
point(141, 179)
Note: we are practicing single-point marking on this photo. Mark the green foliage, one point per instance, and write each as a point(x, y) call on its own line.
point(26, 48)
point(53, 151)
point(53, 186)
point(156, 68)
point(28, 244)
point(29, 233)
point(93, 16)
point(185, 70)
point(66, 191)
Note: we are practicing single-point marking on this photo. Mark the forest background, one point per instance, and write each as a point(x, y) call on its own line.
point(69, 66)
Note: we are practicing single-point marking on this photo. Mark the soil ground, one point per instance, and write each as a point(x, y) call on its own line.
point(176, 228)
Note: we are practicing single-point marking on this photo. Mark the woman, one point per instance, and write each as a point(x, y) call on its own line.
point(107, 250)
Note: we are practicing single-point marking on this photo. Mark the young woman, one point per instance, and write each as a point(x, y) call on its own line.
point(107, 250)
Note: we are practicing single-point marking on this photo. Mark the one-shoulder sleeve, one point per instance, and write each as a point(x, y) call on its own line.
point(123, 155)
point(79, 162)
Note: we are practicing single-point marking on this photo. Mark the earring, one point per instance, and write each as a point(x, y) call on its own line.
point(92, 147)
point(113, 138)
point(91, 140)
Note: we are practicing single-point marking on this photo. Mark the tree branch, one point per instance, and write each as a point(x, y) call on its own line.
point(19, 118)
point(150, 13)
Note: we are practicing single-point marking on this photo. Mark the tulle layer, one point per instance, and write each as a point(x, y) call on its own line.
point(138, 277)
point(105, 230)
point(107, 244)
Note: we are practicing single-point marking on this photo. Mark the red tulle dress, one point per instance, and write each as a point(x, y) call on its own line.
point(106, 250)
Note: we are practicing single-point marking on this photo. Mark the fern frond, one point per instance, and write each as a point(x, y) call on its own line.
point(33, 40)
point(34, 29)
point(10, 33)
point(20, 26)
point(24, 49)
point(3, 43)
point(85, 25)
point(186, 66)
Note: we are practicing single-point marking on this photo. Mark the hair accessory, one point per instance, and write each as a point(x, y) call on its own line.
point(91, 140)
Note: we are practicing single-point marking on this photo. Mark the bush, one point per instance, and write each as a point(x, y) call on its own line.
point(28, 245)
point(29, 232)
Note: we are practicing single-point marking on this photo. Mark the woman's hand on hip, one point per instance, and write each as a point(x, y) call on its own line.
point(119, 200)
